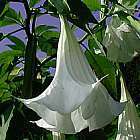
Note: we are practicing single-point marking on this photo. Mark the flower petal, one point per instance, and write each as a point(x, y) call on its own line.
point(129, 122)
point(121, 41)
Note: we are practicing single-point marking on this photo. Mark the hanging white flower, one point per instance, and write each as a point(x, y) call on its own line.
point(75, 99)
point(122, 41)
point(129, 122)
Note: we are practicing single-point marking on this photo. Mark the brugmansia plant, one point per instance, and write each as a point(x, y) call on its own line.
point(121, 40)
point(129, 122)
point(75, 99)
point(78, 98)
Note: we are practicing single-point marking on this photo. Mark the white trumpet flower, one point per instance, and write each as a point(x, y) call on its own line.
point(75, 99)
point(122, 41)
point(129, 122)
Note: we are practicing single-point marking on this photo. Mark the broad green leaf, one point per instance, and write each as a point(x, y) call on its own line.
point(7, 56)
point(92, 45)
point(43, 28)
point(46, 46)
point(5, 59)
point(61, 6)
point(130, 2)
point(82, 14)
point(93, 4)
point(51, 63)
point(7, 21)
point(33, 2)
point(6, 118)
point(10, 17)
point(3, 7)
point(11, 13)
point(102, 67)
point(50, 34)
point(48, 41)
point(19, 44)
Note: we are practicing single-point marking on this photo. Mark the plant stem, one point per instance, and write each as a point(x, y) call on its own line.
point(5, 36)
point(30, 53)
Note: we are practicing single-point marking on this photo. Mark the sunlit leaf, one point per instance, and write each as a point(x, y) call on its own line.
point(134, 23)
point(93, 4)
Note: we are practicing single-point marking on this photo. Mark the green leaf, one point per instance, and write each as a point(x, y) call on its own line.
point(102, 67)
point(6, 21)
point(50, 34)
point(3, 7)
point(93, 4)
point(129, 2)
point(134, 23)
point(11, 13)
point(10, 17)
point(48, 41)
point(19, 44)
point(43, 28)
point(7, 57)
point(33, 2)
point(61, 6)
point(46, 45)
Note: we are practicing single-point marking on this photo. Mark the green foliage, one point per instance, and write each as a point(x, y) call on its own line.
point(6, 58)
point(43, 28)
point(102, 67)
point(19, 44)
point(2, 7)
point(134, 23)
point(10, 17)
point(93, 4)
point(130, 2)
point(47, 40)
point(33, 2)
point(61, 6)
